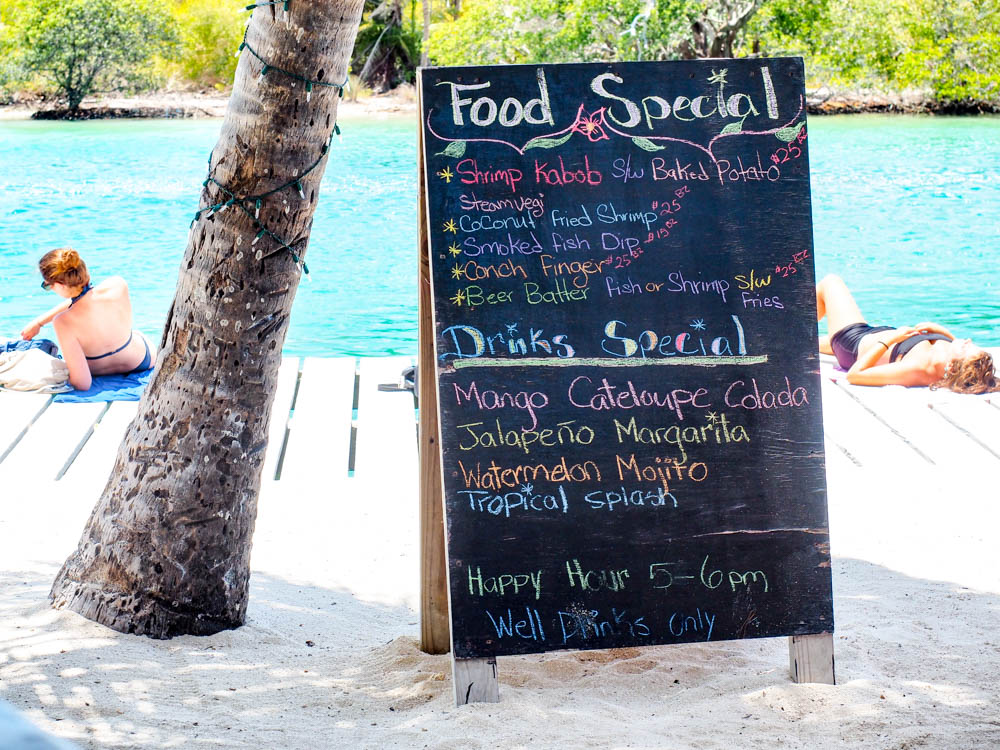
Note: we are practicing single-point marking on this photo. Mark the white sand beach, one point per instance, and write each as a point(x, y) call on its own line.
point(329, 655)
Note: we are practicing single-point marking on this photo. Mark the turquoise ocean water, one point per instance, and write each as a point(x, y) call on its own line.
point(907, 209)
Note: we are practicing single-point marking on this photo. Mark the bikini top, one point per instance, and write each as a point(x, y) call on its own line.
point(901, 349)
point(86, 288)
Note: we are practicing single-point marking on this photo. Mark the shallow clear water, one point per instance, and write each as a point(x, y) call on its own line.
point(905, 208)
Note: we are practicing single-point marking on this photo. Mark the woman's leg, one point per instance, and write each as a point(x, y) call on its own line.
point(835, 302)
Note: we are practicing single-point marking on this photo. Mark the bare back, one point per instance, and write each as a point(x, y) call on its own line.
point(93, 332)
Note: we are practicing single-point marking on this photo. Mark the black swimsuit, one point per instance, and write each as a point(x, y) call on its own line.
point(901, 349)
point(846, 341)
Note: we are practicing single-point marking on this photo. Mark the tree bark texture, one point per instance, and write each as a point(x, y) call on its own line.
point(714, 35)
point(167, 548)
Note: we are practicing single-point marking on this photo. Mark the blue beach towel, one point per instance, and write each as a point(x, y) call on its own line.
point(109, 388)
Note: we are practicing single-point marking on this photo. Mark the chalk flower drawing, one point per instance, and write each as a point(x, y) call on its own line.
point(698, 325)
point(711, 417)
point(454, 249)
point(446, 174)
point(458, 299)
point(456, 272)
point(451, 226)
point(591, 125)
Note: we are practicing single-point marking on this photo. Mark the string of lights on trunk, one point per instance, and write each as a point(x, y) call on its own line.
point(251, 204)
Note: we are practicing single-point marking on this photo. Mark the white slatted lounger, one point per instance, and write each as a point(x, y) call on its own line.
point(92, 466)
point(17, 412)
point(975, 418)
point(849, 427)
point(288, 376)
point(387, 424)
point(386, 477)
point(319, 434)
point(54, 438)
point(907, 411)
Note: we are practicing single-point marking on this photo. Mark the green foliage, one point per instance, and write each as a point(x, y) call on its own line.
point(950, 48)
point(210, 33)
point(523, 31)
point(85, 46)
point(955, 50)
point(13, 76)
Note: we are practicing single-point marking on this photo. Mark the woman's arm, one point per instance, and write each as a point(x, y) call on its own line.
point(865, 371)
point(935, 328)
point(79, 371)
point(31, 330)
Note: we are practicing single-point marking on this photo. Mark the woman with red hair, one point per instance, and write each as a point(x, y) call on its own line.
point(93, 324)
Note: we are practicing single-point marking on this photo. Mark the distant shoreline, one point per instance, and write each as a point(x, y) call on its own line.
point(187, 106)
point(402, 102)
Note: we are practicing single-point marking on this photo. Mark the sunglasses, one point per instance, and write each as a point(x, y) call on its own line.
point(46, 285)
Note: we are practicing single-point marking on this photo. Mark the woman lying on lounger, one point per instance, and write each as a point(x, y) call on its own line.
point(924, 354)
point(93, 324)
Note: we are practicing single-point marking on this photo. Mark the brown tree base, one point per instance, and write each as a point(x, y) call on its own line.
point(136, 615)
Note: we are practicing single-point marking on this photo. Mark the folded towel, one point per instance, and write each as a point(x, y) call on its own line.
point(33, 371)
point(110, 388)
point(19, 345)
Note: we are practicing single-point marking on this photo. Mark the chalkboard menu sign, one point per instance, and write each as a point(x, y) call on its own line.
point(628, 379)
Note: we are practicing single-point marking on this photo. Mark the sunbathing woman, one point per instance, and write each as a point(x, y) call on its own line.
point(94, 324)
point(924, 354)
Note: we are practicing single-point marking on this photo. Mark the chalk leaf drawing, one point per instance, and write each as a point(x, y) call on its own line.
point(733, 127)
point(455, 148)
point(646, 144)
point(546, 142)
point(789, 134)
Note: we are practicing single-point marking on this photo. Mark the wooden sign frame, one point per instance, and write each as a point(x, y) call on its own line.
point(811, 657)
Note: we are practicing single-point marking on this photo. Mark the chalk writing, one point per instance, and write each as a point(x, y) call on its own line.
point(590, 225)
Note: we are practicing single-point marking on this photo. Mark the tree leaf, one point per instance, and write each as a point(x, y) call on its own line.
point(789, 134)
point(646, 144)
point(547, 142)
point(733, 127)
point(455, 148)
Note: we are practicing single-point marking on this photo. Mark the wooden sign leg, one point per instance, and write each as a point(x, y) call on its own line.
point(435, 635)
point(810, 658)
point(475, 680)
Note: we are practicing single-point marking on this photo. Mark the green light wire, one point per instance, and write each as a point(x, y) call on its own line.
point(268, 68)
point(256, 201)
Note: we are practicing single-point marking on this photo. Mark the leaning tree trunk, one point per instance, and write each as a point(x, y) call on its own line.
point(167, 548)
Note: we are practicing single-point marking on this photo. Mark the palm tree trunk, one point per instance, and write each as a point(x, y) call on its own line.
point(167, 548)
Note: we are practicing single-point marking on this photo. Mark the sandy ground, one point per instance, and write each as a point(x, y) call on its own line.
point(402, 101)
point(329, 656)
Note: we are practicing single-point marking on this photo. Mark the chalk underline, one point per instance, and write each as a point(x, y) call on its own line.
point(459, 364)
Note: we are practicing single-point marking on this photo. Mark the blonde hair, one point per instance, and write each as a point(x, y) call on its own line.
point(973, 374)
point(64, 266)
